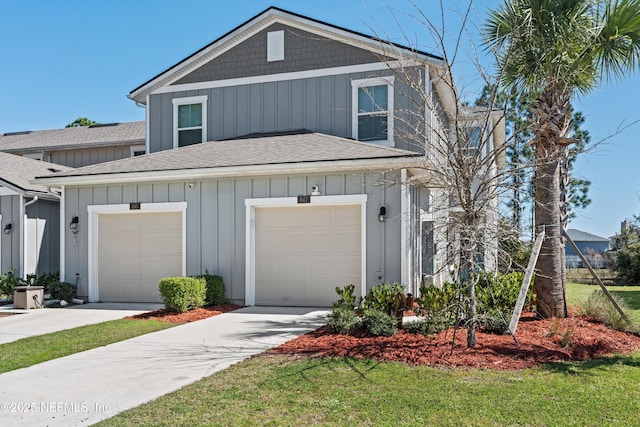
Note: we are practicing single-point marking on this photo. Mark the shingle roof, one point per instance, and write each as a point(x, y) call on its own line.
point(120, 133)
point(583, 236)
point(17, 171)
point(250, 151)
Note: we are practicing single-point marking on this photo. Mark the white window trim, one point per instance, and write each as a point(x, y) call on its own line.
point(250, 233)
point(135, 148)
point(376, 81)
point(186, 101)
point(95, 211)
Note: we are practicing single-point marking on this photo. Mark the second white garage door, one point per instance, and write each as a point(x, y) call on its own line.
point(136, 250)
point(303, 252)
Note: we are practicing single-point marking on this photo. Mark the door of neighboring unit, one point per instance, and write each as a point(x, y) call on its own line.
point(135, 251)
point(303, 252)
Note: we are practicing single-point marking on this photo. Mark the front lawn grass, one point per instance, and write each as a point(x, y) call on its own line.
point(32, 350)
point(279, 390)
point(630, 295)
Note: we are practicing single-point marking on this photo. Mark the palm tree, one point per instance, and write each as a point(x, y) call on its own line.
point(555, 50)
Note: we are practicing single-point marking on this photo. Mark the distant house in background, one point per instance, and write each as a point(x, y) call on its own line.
point(29, 213)
point(29, 217)
point(78, 146)
point(626, 236)
point(592, 247)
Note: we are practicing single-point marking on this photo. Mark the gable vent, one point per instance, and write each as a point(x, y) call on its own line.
point(275, 46)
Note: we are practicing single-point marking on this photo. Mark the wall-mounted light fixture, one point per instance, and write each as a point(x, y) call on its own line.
point(315, 190)
point(382, 214)
point(73, 225)
point(8, 228)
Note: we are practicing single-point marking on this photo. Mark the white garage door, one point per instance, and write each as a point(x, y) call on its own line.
point(303, 253)
point(136, 250)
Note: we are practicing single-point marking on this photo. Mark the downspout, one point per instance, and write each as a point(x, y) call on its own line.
point(23, 231)
point(146, 122)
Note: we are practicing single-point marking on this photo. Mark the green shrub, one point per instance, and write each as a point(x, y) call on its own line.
point(342, 321)
point(347, 298)
point(47, 280)
point(433, 299)
point(62, 291)
point(7, 283)
point(183, 293)
point(499, 292)
point(383, 297)
point(215, 289)
point(627, 265)
point(379, 324)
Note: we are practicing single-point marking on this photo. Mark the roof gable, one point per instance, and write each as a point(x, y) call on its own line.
point(259, 23)
point(583, 236)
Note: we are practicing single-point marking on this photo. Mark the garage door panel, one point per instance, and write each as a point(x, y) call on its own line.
point(301, 259)
point(136, 250)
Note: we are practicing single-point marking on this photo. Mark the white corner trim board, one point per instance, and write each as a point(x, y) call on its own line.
point(95, 210)
point(250, 233)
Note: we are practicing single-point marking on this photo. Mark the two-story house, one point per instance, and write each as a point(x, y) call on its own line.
point(276, 159)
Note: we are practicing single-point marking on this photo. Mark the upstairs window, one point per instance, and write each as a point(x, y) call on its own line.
point(189, 120)
point(373, 110)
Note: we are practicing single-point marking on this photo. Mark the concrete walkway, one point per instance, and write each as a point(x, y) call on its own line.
point(27, 323)
point(87, 387)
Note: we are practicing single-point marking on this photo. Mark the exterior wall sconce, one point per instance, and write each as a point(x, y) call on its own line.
point(315, 190)
point(73, 225)
point(382, 215)
point(8, 228)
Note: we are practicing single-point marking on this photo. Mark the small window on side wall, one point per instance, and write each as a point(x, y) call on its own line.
point(372, 119)
point(189, 120)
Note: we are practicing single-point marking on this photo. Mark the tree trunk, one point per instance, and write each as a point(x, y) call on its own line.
point(549, 277)
point(552, 116)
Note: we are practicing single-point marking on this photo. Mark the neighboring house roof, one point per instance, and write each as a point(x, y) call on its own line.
point(17, 171)
point(281, 153)
point(262, 21)
point(75, 137)
point(583, 236)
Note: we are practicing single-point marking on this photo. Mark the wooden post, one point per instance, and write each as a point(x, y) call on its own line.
point(525, 283)
point(595, 276)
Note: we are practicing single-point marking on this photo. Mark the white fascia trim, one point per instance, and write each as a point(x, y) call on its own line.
point(63, 234)
point(355, 84)
point(95, 210)
point(147, 126)
point(186, 101)
point(237, 171)
point(405, 274)
point(275, 202)
point(297, 75)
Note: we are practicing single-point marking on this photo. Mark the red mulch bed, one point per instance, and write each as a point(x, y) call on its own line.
point(165, 315)
point(539, 342)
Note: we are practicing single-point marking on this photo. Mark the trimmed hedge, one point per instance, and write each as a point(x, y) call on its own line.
point(182, 294)
point(215, 289)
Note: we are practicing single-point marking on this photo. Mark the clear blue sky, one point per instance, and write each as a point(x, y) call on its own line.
point(64, 59)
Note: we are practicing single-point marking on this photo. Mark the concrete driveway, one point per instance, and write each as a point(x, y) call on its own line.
point(27, 323)
point(87, 387)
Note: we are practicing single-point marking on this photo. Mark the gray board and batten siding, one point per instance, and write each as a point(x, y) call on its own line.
point(10, 242)
point(216, 219)
point(77, 158)
point(319, 104)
